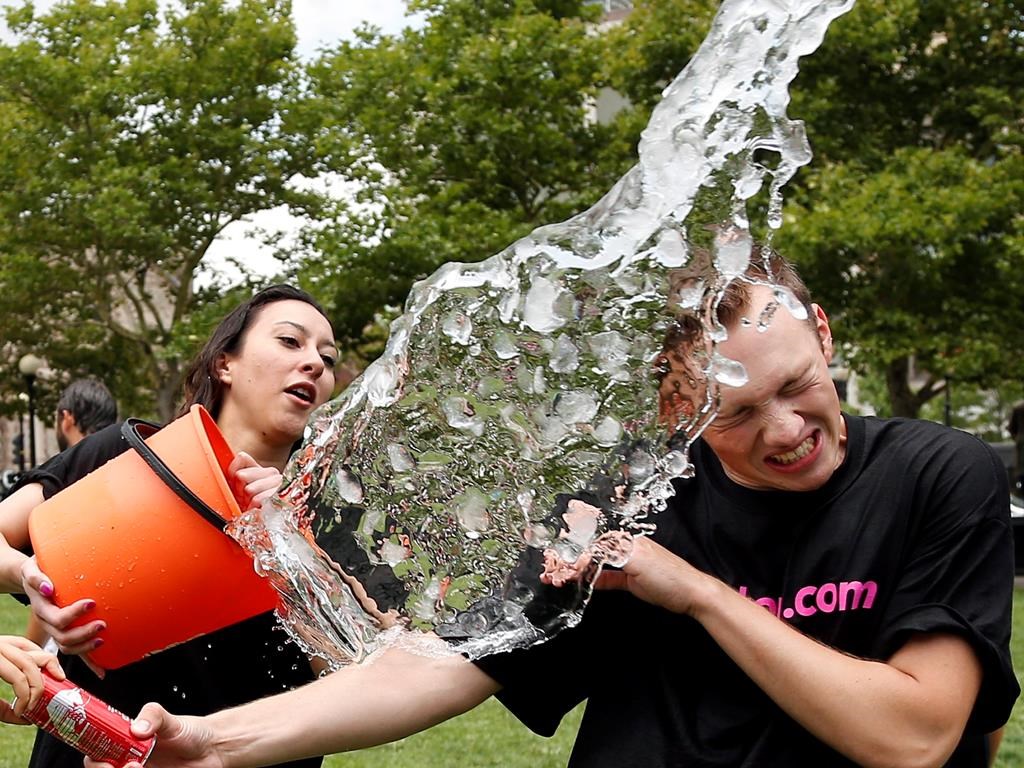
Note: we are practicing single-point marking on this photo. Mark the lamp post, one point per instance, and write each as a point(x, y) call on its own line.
point(29, 366)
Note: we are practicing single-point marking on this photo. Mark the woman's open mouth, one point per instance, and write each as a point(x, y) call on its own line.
point(304, 392)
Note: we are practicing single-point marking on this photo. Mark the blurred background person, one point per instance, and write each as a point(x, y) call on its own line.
point(85, 406)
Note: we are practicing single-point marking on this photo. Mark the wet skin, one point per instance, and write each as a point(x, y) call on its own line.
point(783, 429)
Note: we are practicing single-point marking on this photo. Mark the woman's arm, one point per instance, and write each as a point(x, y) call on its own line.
point(14, 512)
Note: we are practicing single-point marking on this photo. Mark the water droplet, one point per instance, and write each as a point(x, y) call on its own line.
point(732, 252)
point(393, 553)
point(565, 357)
point(471, 510)
point(727, 371)
point(504, 345)
point(608, 432)
point(461, 415)
point(576, 407)
point(541, 306)
point(672, 250)
point(786, 298)
point(458, 327)
point(401, 458)
point(350, 487)
point(611, 351)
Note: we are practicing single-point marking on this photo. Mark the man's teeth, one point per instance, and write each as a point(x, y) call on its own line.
point(801, 450)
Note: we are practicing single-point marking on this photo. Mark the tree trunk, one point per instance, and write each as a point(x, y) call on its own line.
point(903, 400)
point(168, 394)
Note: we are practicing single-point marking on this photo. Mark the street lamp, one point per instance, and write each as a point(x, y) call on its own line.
point(29, 366)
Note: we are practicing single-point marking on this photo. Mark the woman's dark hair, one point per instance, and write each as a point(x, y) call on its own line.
point(202, 384)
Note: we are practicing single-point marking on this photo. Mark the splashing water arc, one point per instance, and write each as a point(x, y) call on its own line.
point(512, 415)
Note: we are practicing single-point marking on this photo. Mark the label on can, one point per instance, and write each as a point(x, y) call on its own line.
point(89, 725)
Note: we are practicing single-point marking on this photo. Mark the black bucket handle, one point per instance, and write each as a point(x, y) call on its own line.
point(131, 431)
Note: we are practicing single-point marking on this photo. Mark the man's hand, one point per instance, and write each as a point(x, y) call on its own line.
point(657, 576)
point(181, 742)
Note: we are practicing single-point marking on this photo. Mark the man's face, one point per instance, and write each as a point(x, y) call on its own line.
point(783, 429)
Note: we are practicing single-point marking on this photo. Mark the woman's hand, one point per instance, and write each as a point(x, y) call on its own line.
point(20, 663)
point(251, 483)
point(57, 621)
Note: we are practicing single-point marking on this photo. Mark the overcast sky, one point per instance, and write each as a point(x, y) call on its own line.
point(319, 23)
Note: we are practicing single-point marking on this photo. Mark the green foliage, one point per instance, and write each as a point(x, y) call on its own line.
point(907, 225)
point(918, 258)
point(651, 47)
point(126, 146)
point(465, 135)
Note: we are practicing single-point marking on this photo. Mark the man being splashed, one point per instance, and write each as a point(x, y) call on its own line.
point(827, 590)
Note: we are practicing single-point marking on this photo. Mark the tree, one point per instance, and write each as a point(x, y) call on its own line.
point(906, 224)
point(126, 147)
point(465, 134)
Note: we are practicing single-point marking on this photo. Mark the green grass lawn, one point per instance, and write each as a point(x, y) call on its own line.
point(484, 738)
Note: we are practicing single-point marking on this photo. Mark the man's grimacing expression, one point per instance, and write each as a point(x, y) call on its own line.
point(783, 429)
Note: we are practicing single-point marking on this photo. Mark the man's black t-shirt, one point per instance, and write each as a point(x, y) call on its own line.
point(910, 535)
point(240, 663)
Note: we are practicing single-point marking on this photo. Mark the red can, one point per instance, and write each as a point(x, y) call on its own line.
point(89, 725)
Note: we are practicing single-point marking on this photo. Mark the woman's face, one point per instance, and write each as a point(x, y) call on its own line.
point(284, 368)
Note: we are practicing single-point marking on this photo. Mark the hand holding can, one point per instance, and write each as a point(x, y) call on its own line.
point(89, 725)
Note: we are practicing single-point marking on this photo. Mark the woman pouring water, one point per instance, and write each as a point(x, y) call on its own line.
point(266, 366)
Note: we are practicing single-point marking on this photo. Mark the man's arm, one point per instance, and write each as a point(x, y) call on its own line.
point(910, 710)
point(386, 698)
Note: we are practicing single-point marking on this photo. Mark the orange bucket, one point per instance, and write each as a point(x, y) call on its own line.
point(143, 537)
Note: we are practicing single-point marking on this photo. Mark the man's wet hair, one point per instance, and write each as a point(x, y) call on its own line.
point(90, 402)
point(767, 267)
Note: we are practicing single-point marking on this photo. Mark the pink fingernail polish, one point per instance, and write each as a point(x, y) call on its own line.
point(46, 589)
point(98, 642)
point(90, 605)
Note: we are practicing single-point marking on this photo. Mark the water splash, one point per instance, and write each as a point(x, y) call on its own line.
point(511, 425)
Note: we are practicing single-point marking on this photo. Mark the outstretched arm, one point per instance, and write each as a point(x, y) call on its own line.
point(908, 710)
point(385, 698)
